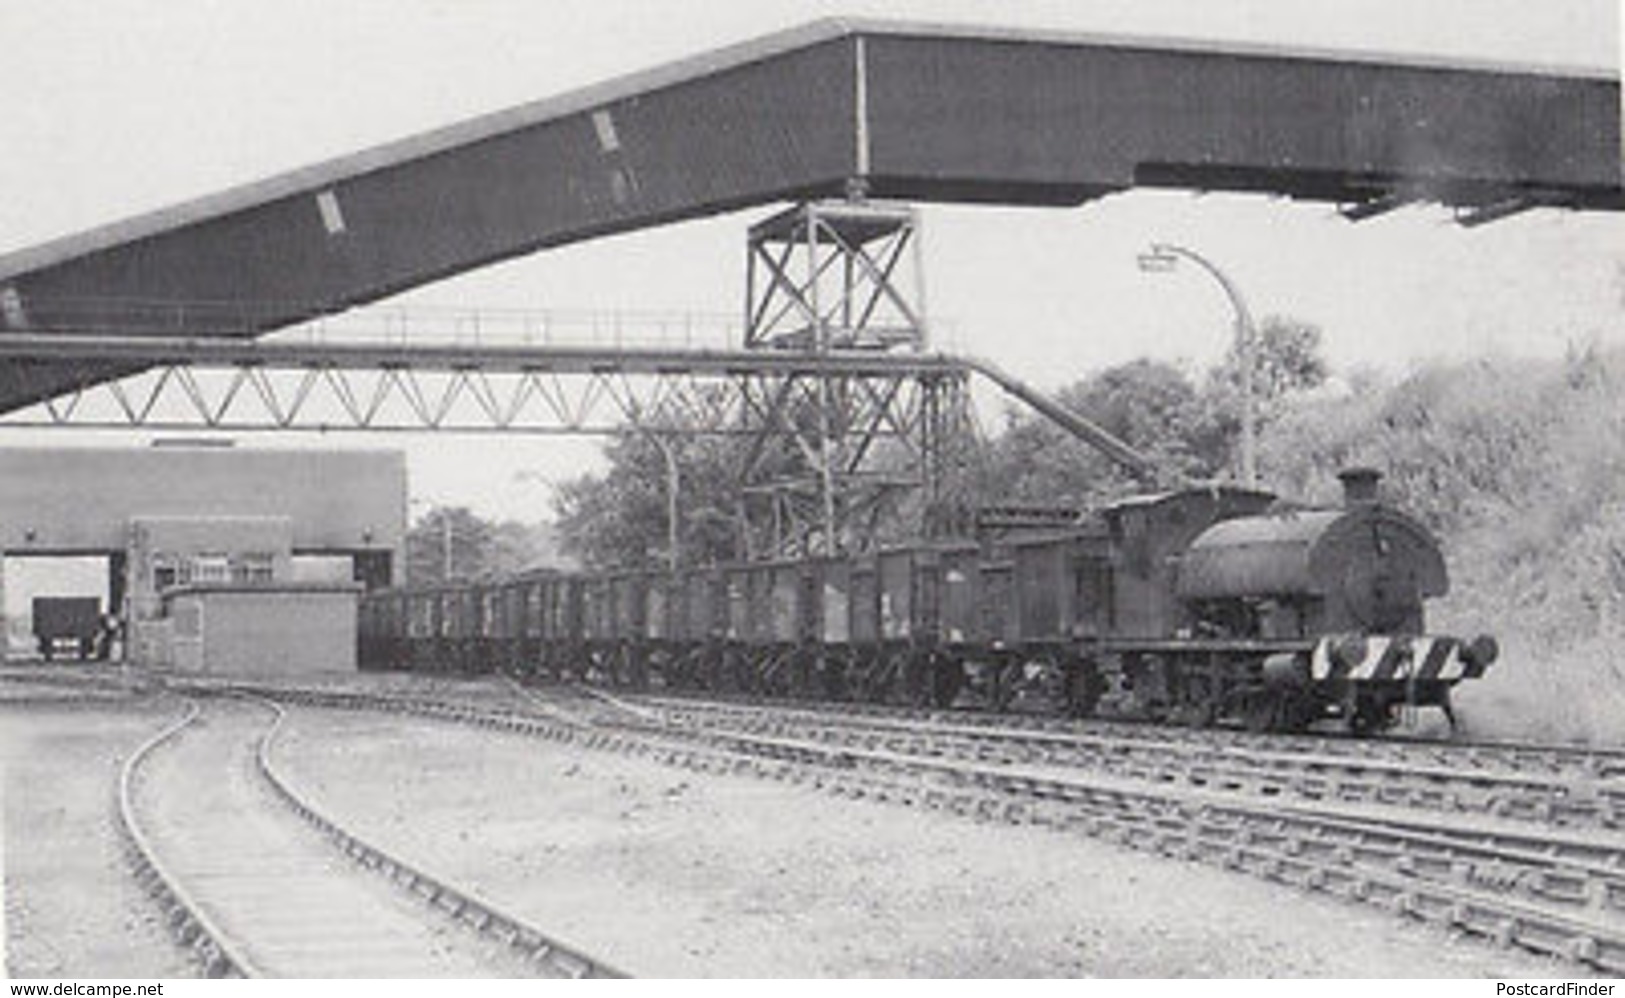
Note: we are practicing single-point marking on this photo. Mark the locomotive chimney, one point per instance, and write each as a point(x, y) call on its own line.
point(1359, 485)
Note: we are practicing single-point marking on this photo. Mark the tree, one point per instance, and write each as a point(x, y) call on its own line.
point(1287, 361)
point(1150, 405)
point(621, 517)
point(454, 544)
point(445, 544)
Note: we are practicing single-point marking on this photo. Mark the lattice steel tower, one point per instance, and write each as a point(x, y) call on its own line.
point(841, 463)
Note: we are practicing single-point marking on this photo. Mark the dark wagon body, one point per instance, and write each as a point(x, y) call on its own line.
point(75, 620)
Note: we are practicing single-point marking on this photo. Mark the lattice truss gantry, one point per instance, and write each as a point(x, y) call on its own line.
point(835, 463)
point(842, 463)
point(246, 387)
point(896, 425)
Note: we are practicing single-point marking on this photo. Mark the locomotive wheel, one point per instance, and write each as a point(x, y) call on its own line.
point(1269, 711)
point(1368, 717)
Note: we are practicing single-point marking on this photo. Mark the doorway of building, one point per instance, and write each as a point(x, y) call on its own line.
point(60, 606)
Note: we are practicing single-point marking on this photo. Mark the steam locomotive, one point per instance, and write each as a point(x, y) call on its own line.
point(1204, 605)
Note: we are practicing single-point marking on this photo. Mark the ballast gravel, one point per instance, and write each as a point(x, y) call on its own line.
point(72, 906)
point(671, 873)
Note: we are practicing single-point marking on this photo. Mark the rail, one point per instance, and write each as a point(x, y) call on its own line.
point(1259, 770)
point(483, 915)
point(187, 919)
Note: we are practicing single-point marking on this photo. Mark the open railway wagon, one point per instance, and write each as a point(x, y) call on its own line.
point(1201, 605)
point(74, 621)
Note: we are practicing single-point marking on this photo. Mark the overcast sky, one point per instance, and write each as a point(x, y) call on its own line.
point(114, 108)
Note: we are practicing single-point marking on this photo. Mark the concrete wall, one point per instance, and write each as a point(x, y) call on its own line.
point(263, 630)
point(81, 500)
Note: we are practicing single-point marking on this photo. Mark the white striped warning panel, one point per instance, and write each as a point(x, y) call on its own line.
point(1393, 658)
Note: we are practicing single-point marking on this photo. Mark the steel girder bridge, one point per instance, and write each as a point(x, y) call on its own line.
point(836, 368)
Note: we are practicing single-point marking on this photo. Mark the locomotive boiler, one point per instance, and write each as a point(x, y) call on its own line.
point(1344, 592)
point(1201, 605)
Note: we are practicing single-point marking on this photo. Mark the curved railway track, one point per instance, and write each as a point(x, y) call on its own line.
point(255, 893)
point(1547, 890)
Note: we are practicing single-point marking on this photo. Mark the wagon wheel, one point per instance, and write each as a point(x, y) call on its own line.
point(722, 671)
point(832, 684)
point(914, 678)
point(1084, 688)
point(1006, 678)
point(1263, 712)
point(947, 679)
point(878, 678)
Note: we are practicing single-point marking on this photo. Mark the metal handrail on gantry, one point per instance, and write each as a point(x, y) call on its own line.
point(171, 366)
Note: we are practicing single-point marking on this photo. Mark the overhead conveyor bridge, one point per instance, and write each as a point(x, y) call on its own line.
point(836, 108)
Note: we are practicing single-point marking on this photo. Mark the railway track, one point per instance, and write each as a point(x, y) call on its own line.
point(1546, 890)
point(1580, 762)
point(1567, 800)
point(248, 875)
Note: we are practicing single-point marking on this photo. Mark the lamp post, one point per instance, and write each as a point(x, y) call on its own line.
point(674, 482)
point(445, 535)
point(445, 544)
point(1164, 257)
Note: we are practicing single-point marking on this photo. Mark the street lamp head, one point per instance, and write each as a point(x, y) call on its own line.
point(1158, 260)
point(1162, 258)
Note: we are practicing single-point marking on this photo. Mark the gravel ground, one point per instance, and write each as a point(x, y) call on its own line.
point(71, 906)
point(664, 872)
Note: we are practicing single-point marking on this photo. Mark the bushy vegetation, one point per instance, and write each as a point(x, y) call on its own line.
point(1519, 466)
point(1188, 426)
point(619, 518)
point(452, 543)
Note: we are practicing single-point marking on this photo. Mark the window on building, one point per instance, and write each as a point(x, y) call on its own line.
point(209, 567)
point(253, 566)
